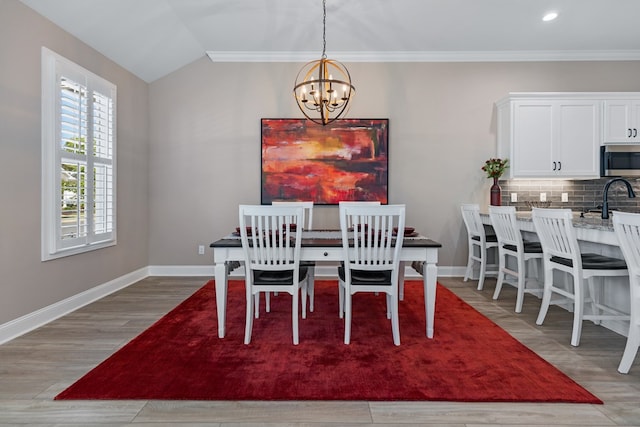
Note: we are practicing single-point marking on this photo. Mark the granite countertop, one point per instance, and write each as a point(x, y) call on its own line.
point(590, 220)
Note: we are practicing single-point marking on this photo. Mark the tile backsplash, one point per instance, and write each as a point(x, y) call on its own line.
point(581, 195)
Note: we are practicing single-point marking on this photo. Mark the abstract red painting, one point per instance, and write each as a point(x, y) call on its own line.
point(344, 160)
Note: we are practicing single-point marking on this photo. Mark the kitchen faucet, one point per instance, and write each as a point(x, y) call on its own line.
point(605, 202)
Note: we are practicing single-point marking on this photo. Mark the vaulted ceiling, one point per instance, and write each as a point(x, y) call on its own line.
point(152, 38)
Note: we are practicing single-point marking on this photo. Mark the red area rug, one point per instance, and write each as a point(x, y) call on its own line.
point(470, 358)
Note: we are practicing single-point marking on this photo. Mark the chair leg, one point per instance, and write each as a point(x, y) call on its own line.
point(257, 305)
point(468, 274)
point(483, 269)
point(501, 266)
point(303, 289)
point(310, 286)
point(341, 293)
point(347, 316)
point(630, 350)
point(401, 280)
point(294, 316)
point(546, 296)
point(249, 318)
point(395, 322)
point(522, 282)
point(578, 310)
point(267, 301)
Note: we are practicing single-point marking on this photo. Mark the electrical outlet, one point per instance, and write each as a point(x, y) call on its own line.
point(565, 197)
point(543, 197)
point(514, 197)
point(200, 249)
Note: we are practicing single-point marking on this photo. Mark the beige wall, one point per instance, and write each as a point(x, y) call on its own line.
point(189, 150)
point(26, 283)
point(205, 133)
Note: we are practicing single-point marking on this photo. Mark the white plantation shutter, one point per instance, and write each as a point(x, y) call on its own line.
point(79, 146)
point(103, 149)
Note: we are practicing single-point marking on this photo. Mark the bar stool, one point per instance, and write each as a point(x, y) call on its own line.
point(511, 244)
point(480, 237)
point(562, 253)
point(627, 229)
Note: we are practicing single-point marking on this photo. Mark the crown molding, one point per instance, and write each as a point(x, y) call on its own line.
point(427, 56)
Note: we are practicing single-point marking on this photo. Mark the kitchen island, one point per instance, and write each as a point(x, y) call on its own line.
point(595, 235)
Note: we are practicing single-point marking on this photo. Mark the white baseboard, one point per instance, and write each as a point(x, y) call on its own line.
point(181, 270)
point(31, 321)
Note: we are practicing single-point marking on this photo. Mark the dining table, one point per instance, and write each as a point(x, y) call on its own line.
point(326, 245)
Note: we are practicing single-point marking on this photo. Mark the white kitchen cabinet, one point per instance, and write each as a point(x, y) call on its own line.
point(621, 121)
point(550, 137)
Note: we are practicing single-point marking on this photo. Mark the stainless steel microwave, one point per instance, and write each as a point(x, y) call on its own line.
point(620, 160)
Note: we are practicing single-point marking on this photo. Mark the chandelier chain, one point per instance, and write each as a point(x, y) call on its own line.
point(324, 28)
point(321, 97)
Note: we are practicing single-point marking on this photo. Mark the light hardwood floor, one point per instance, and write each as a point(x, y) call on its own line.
point(37, 366)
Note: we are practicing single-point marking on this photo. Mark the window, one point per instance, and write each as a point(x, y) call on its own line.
point(78, 159)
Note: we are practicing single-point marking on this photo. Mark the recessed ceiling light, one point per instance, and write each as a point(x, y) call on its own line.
point(550, 16)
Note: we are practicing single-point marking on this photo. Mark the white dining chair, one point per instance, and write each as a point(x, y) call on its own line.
point(343, 203)
point(525, 254)
point(561, 252)
point(371, 258)
point(627, 229)
point(307, 225)
point(272, 257)
point(480, 240)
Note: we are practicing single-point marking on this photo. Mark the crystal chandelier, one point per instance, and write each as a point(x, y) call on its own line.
point(323, 88)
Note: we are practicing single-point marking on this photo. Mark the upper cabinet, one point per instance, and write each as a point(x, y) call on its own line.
point(621, 121)
point(550, 136)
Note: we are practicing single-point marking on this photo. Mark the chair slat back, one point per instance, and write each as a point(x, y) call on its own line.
point(557, 235)
point(504, 221)
point(368, 237)
point(472, 220)
point(307, 217)
point(627, 229)
point(357, 203)
point(268, 240)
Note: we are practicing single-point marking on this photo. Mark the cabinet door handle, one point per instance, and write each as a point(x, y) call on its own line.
point(559, 165)
point(554, 165)
point(630, 132)
point(635, 133)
